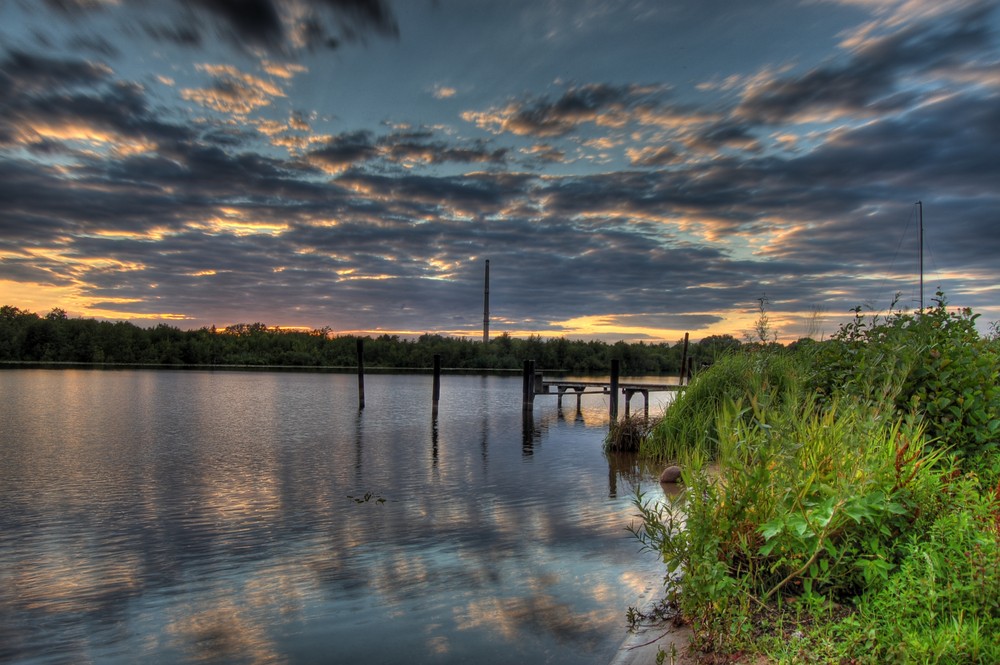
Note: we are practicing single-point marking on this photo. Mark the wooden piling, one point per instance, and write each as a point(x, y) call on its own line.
point(684, 361)
point(528, 385)
point(613, 406)
point(361, 374)
point(437, 380)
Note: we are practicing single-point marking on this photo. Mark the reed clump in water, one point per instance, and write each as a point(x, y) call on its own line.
point(629, 433)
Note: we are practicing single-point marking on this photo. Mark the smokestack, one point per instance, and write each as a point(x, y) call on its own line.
point(486, 306)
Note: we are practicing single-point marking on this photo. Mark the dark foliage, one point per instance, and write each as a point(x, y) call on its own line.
point(56, 338)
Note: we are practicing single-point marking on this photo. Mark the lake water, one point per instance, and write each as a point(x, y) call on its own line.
point(259, 517)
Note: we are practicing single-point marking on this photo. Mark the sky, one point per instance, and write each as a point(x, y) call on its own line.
point(631, 169)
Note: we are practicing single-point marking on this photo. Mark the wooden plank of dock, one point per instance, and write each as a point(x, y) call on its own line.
point(535, 384)
point(580, 388)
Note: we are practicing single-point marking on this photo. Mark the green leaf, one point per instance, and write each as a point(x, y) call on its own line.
point(771, 529)
point(857, 512)
point(824, 512)
point(798, 524)
point(896, 508)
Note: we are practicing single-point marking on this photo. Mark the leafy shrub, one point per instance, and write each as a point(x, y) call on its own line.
point(849, 491)
point(942, 604)
point(933, 364)
point(801, 503)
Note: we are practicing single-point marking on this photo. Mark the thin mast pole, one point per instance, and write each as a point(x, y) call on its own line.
point(920, 207)
point(486, 305)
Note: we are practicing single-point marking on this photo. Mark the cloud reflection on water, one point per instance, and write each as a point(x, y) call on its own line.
point(209, 519)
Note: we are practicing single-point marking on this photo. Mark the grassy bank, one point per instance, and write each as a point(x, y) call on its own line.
point(842, 499)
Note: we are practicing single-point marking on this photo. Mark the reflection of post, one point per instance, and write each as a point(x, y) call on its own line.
point(527, 433)
point(437, 381)
point(612, 480)
point(434, 439)
point(361, 373)
point(613, 407)
point(358, 445)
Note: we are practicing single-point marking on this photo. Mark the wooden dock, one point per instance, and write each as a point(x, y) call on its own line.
point(536, 384)
point(581, 388)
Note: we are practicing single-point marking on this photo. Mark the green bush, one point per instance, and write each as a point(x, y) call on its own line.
point(800, 502)
point(942, 603)
point(842, 503)
point(932, 364)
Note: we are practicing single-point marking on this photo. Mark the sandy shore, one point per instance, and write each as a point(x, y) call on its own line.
point(644, 643)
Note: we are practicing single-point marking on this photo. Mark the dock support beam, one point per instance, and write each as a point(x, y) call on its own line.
point(629, 392)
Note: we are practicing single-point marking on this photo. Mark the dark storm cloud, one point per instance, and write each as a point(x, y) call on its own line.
point(724, 134)
point(254, 21)
point(355, 148)
point(41, 94)
point(401, 149)
point(258, 23)
point(23, 73)
point(544, 118)
point(274, 25)
point(346, 149)
point(942, 153)
point(869, 77)
point(484, 193)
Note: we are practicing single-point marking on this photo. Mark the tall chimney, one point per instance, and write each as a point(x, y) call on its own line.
point(486, 306)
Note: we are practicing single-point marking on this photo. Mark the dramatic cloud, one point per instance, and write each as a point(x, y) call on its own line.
point(272, 25)
point(871, 78)
point(355, 148)
point(596, 103)
point(661, 192)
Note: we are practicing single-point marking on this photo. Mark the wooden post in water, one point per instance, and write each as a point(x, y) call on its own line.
point(361, 374)
point(437, 380)
point(528, 385)
point(689, 367)
point(684, 361)
point(613, 407)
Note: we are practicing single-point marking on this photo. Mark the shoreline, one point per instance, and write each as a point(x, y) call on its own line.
point(643, 642)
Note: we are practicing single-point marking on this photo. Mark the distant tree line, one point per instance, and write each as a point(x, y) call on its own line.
point(56, 338)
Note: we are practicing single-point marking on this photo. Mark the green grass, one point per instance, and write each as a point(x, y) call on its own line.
point(758, 380)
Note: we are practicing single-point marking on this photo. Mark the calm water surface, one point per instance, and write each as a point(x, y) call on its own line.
point(259, 517)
